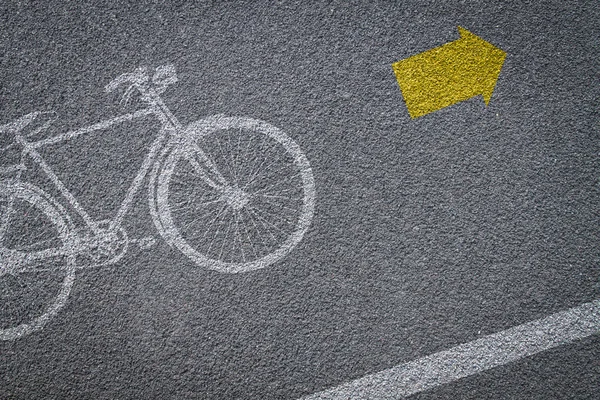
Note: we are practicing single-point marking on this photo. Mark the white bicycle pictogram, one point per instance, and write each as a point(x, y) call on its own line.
point(233, 194)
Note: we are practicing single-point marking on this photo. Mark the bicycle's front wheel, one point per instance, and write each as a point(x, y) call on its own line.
point(36, 275)
point(260, 215)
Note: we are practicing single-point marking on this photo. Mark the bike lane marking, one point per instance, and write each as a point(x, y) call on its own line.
point(473, 357)
point(448, 74)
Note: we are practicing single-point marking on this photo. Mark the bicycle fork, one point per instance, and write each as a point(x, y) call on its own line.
point(203, 165)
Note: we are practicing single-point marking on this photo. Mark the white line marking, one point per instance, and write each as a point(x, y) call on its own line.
point(106, 242)
point(473, 357)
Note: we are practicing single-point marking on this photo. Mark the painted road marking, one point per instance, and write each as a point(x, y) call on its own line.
point(448, 74)
point(268, 198)
point(473, 357)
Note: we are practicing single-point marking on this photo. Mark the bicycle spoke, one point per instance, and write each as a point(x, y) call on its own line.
point(195, 206)
point(258, 230)
point(282, 206)
point(239, 237)
point(247, 147)
point(237, 154)
point(279, 197)
point(189, 223)
point(217, 233)
point(224, 239)
point(262, 221)
point(248, 235)
point(224, 158)
point(223, 209)
point(206, 191)
point(279, 182)
point(206, 201)
point(233, 165)
point(267, 214)
point(280, 191)
point(268, 166)
point(178, 180)
point(257, 173)
point(255, 160)
point(198, 219)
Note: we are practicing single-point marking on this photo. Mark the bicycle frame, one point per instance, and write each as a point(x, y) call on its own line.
point(170, 127)
point(267, 207)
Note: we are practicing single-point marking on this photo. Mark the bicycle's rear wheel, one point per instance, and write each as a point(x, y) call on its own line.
point(266, 210)
point(32, 290)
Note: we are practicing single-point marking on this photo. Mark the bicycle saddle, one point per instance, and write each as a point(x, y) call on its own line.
point(163, 76)
point(137, 77)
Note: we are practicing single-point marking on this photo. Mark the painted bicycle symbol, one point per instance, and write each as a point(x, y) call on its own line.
point(233, 194)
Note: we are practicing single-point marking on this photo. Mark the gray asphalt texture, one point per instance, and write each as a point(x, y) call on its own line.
point(428, 233)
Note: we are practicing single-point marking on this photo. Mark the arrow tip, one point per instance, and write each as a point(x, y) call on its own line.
point(492, 59)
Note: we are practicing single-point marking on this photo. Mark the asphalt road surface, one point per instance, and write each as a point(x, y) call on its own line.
point(428, 234)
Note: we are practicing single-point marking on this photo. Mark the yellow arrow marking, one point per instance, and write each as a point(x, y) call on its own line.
point(448, 74)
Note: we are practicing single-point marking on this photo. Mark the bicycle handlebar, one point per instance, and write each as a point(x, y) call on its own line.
point(137, 77)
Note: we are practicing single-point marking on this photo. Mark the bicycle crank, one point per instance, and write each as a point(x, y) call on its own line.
point(100, 248)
